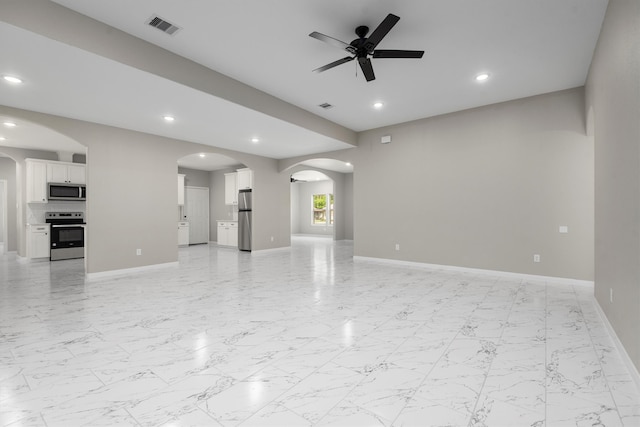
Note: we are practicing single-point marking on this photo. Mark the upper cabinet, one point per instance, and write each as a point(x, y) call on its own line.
point(41, 172)
point(231, 188)
point(180, 189)
point(36, 181)
point(72, 173)
point(245, 179)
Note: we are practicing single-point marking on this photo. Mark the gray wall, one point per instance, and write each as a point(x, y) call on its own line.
point(301, 194)
point(484, 188)
point(613, 108)
point(194, 178)
point(8, 173)
point(348, 206)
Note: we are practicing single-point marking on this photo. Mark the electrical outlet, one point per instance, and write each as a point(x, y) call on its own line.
point(610, 294)
point(272, 238)
point(536, 258)
point(138, 251)
point(397, 246)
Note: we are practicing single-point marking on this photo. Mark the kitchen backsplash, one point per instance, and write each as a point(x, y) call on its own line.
point(36, 211)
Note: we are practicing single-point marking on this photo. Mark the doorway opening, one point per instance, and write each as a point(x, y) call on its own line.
point(205, 178)
point(321, 198)
point(313, 204)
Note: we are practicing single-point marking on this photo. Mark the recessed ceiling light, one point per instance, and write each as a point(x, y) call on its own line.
point(12, 79)
point(2, 138)
point(378, 105)
point(202, 154)
point(348, 164)
point(482, 77)
point(169, 118)
point(9, 124)
point(255, 140)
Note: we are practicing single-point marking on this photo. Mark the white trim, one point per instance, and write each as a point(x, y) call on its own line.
point(455, 269)
point(133, 270)
point(633, 371)
point(270, 250)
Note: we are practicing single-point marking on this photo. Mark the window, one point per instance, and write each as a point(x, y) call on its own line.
point(322, 211)
point(319, 209)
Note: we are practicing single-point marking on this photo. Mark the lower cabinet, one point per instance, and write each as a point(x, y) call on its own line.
point(183, 233)
point(228, 233)
point(38, 241)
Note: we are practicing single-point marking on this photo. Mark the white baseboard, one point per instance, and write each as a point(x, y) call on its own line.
point(633, 371)
point(455, 269)
point(133, 270)
point(271, 250)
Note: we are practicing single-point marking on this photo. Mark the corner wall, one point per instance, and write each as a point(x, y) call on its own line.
point(613, 101)
point(484, 188)
point(8, 173)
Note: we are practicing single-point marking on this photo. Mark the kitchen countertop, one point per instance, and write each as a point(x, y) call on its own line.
point(227, 220)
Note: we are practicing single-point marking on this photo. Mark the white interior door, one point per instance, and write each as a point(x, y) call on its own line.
point(197, 212)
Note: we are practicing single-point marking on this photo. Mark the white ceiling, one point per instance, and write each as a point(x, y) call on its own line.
point(309, 176)
point(527, 47)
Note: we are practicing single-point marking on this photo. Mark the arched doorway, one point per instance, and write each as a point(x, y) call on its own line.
point(205, 176)
point(312, 204)
point(322, 198)
point(27, 139)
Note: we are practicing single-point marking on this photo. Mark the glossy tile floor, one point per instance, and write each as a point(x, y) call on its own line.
point(302, 337)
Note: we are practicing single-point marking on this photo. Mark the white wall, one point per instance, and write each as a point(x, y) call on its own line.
point(485, 188)
point(613, 107)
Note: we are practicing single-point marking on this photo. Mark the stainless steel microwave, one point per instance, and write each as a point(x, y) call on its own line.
point(66, 191)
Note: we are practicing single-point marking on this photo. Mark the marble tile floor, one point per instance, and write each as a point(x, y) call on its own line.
point(302, 337)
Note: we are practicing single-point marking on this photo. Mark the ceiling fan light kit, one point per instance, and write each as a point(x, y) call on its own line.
point(364, 48)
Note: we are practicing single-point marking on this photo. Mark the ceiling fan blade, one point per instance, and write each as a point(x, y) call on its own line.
point(333, 42)
point(334, 64)
point(384, 53)
point(378, 34)
point(367, 69)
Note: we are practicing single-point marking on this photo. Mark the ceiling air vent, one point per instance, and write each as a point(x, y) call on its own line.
point(162, 25)
point(326, 106)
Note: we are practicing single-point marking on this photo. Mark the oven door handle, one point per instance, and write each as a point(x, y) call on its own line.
point(67, 226)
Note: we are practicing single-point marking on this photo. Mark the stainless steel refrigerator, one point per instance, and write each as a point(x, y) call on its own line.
point(244, 220)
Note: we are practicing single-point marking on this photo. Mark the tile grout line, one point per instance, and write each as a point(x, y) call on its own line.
point(473, 412)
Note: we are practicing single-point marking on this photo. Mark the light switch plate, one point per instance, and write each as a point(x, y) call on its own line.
point(563, 229)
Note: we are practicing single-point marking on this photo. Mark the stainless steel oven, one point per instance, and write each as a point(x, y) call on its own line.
point(67, 234)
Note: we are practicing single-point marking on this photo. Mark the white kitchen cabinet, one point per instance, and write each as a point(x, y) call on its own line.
point(180, 189)
point(71, 173)
point(228, 233)
point(36, 181)
point(38, 241)
point(183, 233)
point(245, 179)
point(231, 188)
point(77, 174)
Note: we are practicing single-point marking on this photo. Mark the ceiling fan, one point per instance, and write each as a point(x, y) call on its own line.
point(363, 48)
